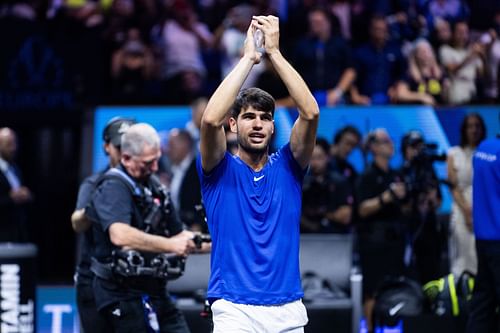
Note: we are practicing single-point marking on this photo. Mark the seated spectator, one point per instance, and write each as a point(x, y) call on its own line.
point(132, 68)
point(441, 34)
point(269, 81)
point(425, 83)
point(342, 9)
point(464, 64)
point(492, 64)
point(230, 38)
point(326, 196)
point(449, 10)
point(183, 40)
point(324, 60)
point(380, 65)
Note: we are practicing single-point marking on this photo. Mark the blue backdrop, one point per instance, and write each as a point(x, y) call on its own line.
point(441, 126)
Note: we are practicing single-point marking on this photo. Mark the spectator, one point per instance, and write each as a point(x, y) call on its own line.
point(14, 196)
point(492, 64)
point(324, 60)
point(464, 65)
point(327, 197)
point(184, 186)
point(381, 229)
point(193, 126)
point(426, 83)
point(131, 70)
point(231, 37)
point(344, 142)
point(184, 38)
point(462, 251)
point(269, 81)
point(380, 65)
point(449, 10)
point(441, 34)
point(342, 11)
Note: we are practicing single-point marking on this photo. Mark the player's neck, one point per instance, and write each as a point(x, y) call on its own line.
point(256, 161)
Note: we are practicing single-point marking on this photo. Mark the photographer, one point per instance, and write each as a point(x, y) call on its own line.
point(133, 228)
point(427, 237)
point(381, 228)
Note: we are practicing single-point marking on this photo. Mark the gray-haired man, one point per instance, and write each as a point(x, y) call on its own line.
point(132, 231)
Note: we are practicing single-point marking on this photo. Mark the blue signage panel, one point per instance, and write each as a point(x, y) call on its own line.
point(56, 310)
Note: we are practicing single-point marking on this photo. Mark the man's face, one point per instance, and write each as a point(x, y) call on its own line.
point(383, 145)
point(8, 145)
point(411, 151)
point(347, 143)
point(318, 23)
point(379, 32)
point(461, 34)
point(177, 149)
point(254, 129)
point(319, 161)
point(142, 166)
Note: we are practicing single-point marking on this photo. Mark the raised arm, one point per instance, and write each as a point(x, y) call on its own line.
point(303, 135)
point(212, 137)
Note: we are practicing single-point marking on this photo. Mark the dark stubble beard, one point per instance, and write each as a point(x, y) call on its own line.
point(251, 150)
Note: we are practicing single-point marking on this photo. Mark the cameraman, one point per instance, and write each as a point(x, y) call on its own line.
point(126, 291)
point(427, 237)
point(381, 229)
point(91, 320)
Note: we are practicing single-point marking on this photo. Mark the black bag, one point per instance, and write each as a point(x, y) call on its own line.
point(449, 295)
point(397, 297)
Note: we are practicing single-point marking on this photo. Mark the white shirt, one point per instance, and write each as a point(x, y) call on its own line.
point(183, 49)
point(462, 83)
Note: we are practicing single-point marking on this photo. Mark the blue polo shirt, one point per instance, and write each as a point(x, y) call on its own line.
point(486, 190)
point(378, 69)
point(254, 220)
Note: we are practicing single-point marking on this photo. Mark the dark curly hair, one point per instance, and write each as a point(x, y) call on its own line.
point(254, 97)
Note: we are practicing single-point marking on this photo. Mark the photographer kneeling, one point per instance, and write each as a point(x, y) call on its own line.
point(139, 245)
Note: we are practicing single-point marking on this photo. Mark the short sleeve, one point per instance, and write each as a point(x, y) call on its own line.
point(85, 191)
point(113, 203)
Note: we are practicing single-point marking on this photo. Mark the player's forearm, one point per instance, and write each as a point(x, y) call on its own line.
point(223, 98)
point(308, 108)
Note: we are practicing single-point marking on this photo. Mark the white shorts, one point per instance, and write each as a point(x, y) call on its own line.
point(230, 317)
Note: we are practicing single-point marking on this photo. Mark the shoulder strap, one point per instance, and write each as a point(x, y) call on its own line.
point(120, 175)
point(115, 173)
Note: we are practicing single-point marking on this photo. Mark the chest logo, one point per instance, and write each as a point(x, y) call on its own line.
point(256, 179)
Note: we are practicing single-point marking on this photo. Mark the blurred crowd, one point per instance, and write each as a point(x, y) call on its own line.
point(434, 52)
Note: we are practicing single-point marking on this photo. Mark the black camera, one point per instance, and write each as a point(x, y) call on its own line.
point(418, 170)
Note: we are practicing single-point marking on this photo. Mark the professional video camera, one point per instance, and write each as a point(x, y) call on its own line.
point(418, 171)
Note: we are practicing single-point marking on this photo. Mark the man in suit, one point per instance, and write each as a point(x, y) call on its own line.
point(13, 195)
point(184, 184)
